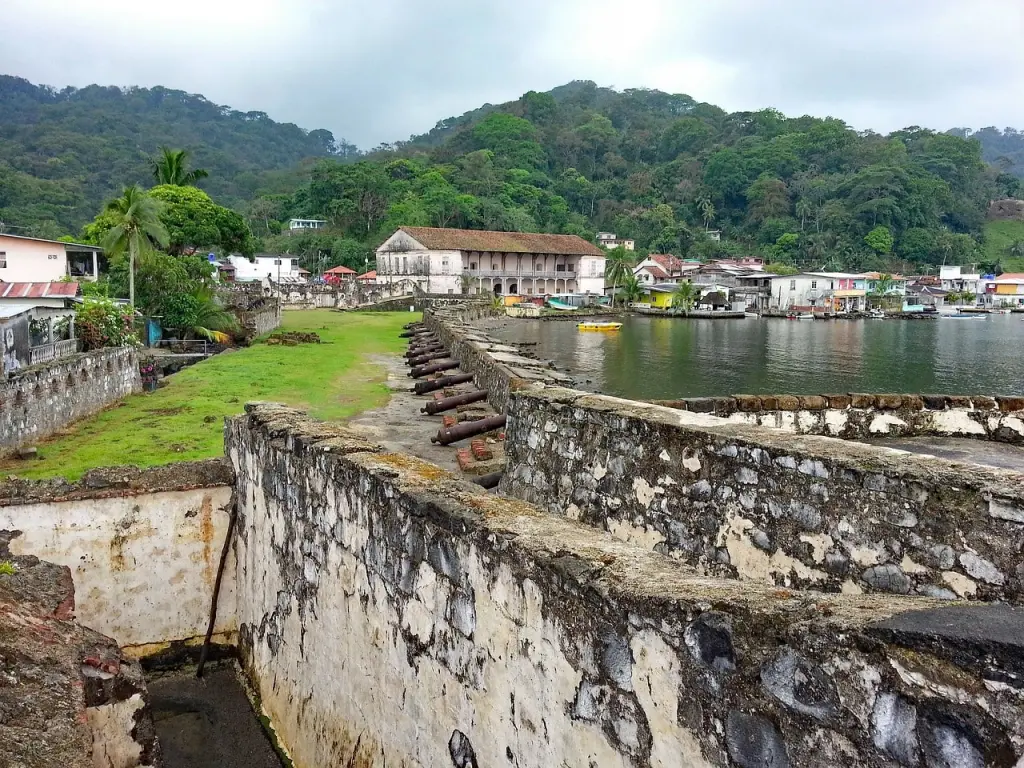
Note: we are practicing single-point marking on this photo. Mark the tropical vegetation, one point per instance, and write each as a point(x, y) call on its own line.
point(133, 227)
point(171, 168)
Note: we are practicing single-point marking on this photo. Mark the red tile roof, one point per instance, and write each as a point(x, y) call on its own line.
point(501, 242)
point(339, 270)
point(371, 275)
point(657, 272)
point(38, 290)
point(1011, 276)
point(672, 263)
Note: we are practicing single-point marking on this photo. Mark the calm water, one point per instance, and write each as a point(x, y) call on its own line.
point(668, 358)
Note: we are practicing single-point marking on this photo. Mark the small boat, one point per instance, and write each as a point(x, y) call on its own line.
point(751, 314)
point(801, 316)
point(1001, 311)
point(598, 326)
point(964, 316)
point(876, 314)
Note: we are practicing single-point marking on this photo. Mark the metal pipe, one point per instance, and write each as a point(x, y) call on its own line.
point(488, 481)
point(432, 385)
point(440, 406)
point(468, 429)
point(424, 350)
point(425, 370)
point(421, 359)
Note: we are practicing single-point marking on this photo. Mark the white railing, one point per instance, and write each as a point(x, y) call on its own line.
point(44, 353)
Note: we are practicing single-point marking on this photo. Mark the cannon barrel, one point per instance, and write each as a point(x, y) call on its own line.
point(412, 326)
point(415, 334)
point(488, 481)
point(421, 359)
point(462, 430)
point(423, 387)
point(423, 349)
point(440, 406)
point(425, 370)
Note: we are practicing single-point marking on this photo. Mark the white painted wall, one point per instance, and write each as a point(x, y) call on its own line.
point(143, 565)
point(433, 271)
point(32, 261)
point(590, 276)
point(246, 270)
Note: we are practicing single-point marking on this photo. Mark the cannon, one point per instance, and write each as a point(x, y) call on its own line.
point(423, 387)
point(488, 481)
point(424, 350)
point(415, 334)
point(421, 359)
point(412, 326)
point(440, 406)
point(466, 429)
point(425, 370)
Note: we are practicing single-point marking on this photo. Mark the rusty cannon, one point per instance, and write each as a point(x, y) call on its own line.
point(412, 326)
point(440, 406)
point(426, 349)
point(415, 334)
point(466, 429)
point(425, 370)
point(488, 481)
point(423, 387)
point(421, 359)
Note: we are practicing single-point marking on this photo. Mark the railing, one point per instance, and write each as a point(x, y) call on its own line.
point(44, 353)
point(506, 273)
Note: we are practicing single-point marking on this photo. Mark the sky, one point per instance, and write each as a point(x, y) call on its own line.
point(382, 70)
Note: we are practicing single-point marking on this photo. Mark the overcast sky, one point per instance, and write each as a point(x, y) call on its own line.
point(380, 70)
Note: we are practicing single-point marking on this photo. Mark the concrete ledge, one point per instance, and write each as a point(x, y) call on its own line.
point(744, 501)
point(514, 637)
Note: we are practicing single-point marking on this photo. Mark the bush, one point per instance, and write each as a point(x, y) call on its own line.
point(102, 323)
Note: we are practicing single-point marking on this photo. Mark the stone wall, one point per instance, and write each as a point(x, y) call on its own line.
point(858, 416)
point(737, 500)
point(68, 697)
point(143, 547)
point(392, 615)
point(259, 322)
point(41, 400)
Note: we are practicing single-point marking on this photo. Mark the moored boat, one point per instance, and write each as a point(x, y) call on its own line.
point(598, 326)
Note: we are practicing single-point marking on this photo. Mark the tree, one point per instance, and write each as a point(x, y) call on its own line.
point(632, 290)
point(103, 323)
point(685, 296)
point(767, 198)
point(880, 240)
point(195, 222)
point(883, 287)
point(135, 227)
point(804, 210)
point(200, 313)
point(618, 267)
point(171, 167)
point(707, 210)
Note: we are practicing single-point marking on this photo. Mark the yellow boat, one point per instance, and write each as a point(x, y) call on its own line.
point(599, 326)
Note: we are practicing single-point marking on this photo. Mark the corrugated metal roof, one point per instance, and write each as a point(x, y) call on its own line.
point(38, 290)
point(83, 246)
point(501, 242)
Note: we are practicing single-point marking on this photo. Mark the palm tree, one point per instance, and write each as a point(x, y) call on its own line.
point(170, 168)
point(804, 210)
point(707, 210)
point(137, 226)
point(618, 267)
point(631, 289)
point(884, 285)
point(685, 296)
point(211, 320)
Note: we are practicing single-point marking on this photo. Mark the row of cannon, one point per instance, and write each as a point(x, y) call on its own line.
point(426, 356)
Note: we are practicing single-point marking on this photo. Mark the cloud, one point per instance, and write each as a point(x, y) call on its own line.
point(383, 70)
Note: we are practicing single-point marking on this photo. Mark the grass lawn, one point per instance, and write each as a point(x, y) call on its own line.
point(184, 420)
point(999, 236)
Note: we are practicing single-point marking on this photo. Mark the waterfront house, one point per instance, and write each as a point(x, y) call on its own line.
point(33, 259)
point(871, 283)
point(1006, 290)
point(818, 291)
point(658, 296)
point(305, 225)
point(459, 261)
point(955, 280)
point(921, 297)
point(664, 268)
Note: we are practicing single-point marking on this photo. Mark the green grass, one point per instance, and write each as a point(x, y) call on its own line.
point(999, 236)
point(184, 420)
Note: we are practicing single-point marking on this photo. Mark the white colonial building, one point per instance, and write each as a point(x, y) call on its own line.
point(276, 268)
point(461, 261)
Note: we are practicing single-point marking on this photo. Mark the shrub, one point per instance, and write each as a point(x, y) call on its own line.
point(102, 323)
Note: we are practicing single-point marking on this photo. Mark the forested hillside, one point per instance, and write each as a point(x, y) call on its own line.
point(63, 153)
point(662, 169)
point(1002, 148)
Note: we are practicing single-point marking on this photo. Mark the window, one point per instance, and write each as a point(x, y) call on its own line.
point(814, 284)
point(472, 265)
point(792, 285)
point(405, 265)
point(3, 259)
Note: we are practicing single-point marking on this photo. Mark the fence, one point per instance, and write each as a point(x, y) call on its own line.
point(44, 353)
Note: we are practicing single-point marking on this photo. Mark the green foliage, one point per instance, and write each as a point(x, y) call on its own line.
point(632, 290)
point(777, 268)
point(159, 278)
point(1000, 238)
point(685, 296)
point(880, 240)
point(199, 313)
point(6, 568)
point(171, 167)
point(618, 267)
point(196, 223)
point(102, 323)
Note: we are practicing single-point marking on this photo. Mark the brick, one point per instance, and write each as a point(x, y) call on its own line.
point(769, 403)
point(464, 458)
point(748, 403)
point(449, 421)
point(859, 400)
point(839, 402)
point(439, 395)
point(913, 402)
point(1010, 404)
point(788, 403)
point(889, 402)
point(958, 401)
point(725, 406)
point(934, 402)
point(700, 404)
point(481, 452)
point(812, 403)
point(984, 403)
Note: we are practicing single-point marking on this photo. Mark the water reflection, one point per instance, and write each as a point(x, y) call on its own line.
point(664, 358)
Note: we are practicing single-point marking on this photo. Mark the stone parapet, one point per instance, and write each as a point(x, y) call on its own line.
point(744, 501)
point(393, 614)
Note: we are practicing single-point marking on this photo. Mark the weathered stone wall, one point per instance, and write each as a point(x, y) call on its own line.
point(858, 416)
point(393, 615)
point(68, 698)
point(143, 547)
point(259, 322)
point(808, 512)
point(41, 400)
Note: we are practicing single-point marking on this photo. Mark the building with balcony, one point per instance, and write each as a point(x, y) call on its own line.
point(956, 280)
point(465, 261)
point(304, 225)
point(823, 291)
